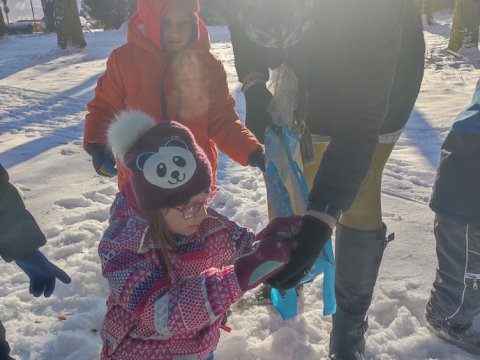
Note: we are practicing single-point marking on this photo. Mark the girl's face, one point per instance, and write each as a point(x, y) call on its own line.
point(177, 29)
point(175, 217)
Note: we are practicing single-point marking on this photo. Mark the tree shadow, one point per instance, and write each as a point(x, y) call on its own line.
point(52, 121)
point(439, 29)
point(12, 63)
point(426, 138)
point(31, 149)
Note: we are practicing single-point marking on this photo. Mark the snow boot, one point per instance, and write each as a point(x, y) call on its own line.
point(462, 336)
point(358, 256)
point(455, 297)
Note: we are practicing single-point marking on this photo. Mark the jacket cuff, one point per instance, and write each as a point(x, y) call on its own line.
point(229, 291)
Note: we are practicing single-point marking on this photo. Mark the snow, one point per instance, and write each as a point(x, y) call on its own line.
point(43, 95)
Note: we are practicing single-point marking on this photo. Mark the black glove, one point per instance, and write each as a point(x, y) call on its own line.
point(305, 248)
point(257, 159)
point(257, 98)
point(102, 159)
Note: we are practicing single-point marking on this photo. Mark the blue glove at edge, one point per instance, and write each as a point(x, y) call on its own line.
point(42, 273)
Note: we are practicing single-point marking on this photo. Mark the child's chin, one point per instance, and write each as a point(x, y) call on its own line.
point(190, 231)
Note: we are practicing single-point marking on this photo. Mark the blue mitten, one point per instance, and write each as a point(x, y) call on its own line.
point(42, 273)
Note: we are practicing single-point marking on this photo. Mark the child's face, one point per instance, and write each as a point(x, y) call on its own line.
point(177, 29)
point(175, 219)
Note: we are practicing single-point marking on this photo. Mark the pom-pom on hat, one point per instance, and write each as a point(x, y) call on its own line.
point(168, 167)
point(152, 13)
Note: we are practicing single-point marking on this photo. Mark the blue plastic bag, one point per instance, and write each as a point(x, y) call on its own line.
point(288, 192)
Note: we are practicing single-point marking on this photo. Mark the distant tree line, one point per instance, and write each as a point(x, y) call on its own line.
point(63, 17)
point(110, 14)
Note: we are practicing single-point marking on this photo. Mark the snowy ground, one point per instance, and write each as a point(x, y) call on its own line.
point(43, 92)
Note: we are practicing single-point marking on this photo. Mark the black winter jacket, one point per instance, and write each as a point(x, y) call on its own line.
point(456, 192)
point(361, 66)
point(19, 232)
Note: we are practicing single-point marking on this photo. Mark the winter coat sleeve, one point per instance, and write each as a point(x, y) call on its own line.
point(224, 125)
point(356, 84)
point(250, 58)
point(108, 101)
point(166, 307)
point(19, 232)
point(456, 191)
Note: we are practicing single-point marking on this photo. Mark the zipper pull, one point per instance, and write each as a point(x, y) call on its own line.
point(475, 285)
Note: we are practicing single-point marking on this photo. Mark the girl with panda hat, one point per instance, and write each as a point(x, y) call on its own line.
point(174, 265)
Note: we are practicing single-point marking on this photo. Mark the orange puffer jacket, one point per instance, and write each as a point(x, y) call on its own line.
point(189, 87)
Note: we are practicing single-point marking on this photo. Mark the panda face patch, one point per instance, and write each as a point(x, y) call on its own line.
point(170, 167)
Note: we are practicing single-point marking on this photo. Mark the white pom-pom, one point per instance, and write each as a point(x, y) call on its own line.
point(127, 128)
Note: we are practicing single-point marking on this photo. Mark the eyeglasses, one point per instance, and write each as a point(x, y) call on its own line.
point(190, 211)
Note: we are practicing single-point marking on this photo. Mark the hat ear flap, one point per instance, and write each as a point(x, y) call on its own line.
point(142, 159)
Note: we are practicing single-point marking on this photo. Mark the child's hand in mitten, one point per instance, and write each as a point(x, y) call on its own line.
point(269, 256)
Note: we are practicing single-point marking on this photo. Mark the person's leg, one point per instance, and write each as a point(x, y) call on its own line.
point(4, 347)
point(360, 240)
point(455, 297)
point(311, 170)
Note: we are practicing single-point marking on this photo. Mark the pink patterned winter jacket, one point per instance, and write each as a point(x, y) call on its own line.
point(150, 317)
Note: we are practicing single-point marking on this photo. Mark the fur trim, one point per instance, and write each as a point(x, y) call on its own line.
point(127, 128)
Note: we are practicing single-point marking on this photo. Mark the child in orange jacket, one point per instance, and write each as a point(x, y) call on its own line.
point(167, 71)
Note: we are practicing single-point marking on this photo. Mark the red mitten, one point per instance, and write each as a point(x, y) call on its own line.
point(268, 258)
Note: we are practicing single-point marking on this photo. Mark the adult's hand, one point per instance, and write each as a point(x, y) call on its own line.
point(257, 159)
point(257, 98)
point(305, 247)
point(42, 273)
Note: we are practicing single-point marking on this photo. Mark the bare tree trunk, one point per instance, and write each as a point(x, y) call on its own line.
point(2, 24)
point(465, 25)
point(48, 7)
point(67, 22)
point(429, 12)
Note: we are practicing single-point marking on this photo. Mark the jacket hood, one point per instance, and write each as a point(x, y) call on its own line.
point(137, 35)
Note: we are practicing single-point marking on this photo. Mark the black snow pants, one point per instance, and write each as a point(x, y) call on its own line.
point(456, 291)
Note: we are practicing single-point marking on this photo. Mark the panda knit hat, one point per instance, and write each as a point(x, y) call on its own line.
point(167, 166)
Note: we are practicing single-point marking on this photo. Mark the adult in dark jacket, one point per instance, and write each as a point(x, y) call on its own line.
point(20, 239)
point(359, 65)
point(455, 298)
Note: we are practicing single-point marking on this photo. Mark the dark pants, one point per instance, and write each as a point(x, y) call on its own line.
point(4, 347)
point(456, 291)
